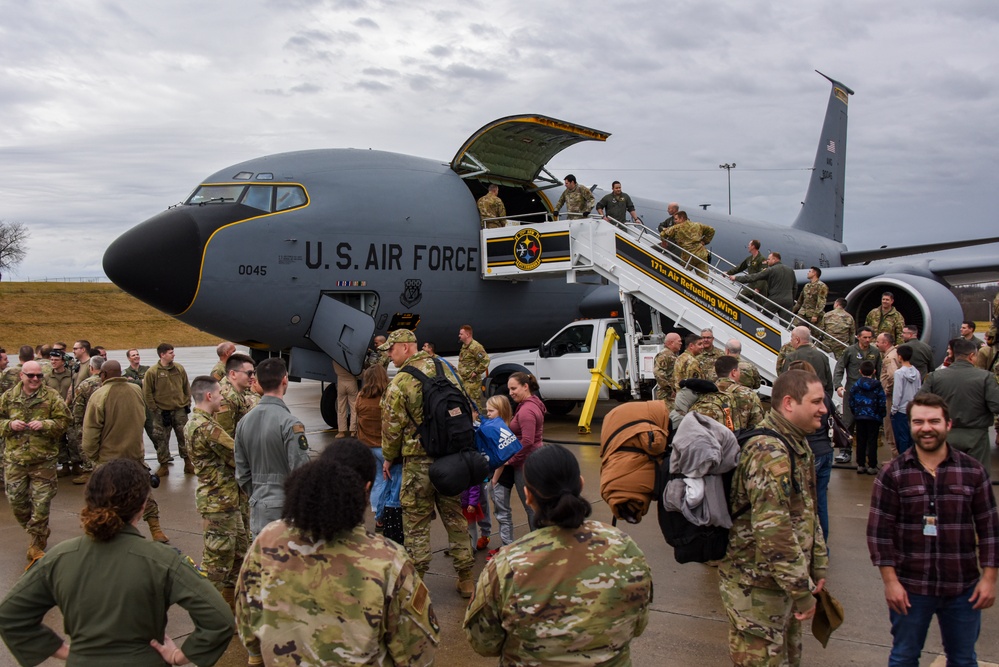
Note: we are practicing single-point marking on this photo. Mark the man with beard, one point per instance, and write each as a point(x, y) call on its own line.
point(923, 540)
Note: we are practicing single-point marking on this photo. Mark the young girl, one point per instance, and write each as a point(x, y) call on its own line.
point(499, 406)
point(868, 404)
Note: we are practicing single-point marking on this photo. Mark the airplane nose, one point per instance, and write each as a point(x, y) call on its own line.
point(158, 261)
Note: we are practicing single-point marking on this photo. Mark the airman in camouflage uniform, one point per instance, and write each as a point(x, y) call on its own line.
point(218, 498)
point(491, 206)
point(994, 329)
point(473, 363)
point(662, 368)
point(840, 325)
point(81, 396)
point(356, 600)
point(234, 388)
point(402, 413)
point(886, 319)
point(749, 375)
point(224, 351)
point(776, 553)
point(60, 378)
point(747, 412)
point(785, 350)
point(32, 417)
point(708, 355)
point(716, 405)
point(592, 583)
point(687, 366)
point(811, 303)
point(578, 199)
point(11, 376)
point(692, 237)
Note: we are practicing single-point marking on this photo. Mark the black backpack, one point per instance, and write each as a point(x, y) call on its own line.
point(700, 544)
point(447, 426)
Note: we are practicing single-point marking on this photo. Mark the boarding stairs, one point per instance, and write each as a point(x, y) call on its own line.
point(631, 256)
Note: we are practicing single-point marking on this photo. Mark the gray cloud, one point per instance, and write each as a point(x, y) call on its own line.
point(112, 112)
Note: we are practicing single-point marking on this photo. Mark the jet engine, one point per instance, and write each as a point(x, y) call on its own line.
point(922, 301)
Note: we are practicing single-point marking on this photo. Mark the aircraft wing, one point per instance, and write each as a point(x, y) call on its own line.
point(955, 269)
point(515, 149)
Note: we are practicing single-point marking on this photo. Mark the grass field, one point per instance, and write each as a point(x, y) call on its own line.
point(35, 313)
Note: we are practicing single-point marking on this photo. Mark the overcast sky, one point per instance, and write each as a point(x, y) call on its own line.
point(112, 111)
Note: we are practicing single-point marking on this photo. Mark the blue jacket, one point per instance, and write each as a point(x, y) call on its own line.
point(868, 400)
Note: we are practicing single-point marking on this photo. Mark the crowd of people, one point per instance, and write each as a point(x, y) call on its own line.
point(274, 525)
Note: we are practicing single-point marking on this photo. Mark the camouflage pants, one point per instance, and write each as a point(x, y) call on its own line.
point(226, 542)
point(474, 390)
point(763, 631)
point(161, 433)
point(69, 447)
point(418, 498)
point(152, 510)
point(30, 489)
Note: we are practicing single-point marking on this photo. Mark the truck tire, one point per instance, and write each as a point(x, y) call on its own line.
point(560, 408)
point(327, 405)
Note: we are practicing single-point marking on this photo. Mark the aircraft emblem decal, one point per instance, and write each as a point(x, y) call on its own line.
point(527, 249)
point(761, 333)
point(413, 292)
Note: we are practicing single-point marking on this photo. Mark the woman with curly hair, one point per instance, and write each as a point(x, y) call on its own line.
point(572, 592)
point(318, 586)
point(114, 588)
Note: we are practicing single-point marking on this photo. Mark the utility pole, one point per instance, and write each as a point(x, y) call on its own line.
point(728, 169)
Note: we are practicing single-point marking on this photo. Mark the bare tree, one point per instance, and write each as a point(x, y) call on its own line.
point(13, 242)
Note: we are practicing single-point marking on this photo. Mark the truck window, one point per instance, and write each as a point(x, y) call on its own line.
point(619, 328)
point(571, 340)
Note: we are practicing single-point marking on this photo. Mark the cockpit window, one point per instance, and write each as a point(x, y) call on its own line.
point(243, 176)
point(289, 196)
point(216, 194)
point(266, 198)
point(259, 196)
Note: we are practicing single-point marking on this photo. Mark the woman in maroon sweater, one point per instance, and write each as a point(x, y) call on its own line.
point(528, 425)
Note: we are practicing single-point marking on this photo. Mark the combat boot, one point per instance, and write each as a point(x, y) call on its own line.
point(156, 531)
point(340, 434)
point(36, 549)
point(163, 470)
point(82, 479)
point(465, 585)
point(229, 595)
point(188, 466)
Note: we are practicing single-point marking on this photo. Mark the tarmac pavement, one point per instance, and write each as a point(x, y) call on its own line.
point(688, 625)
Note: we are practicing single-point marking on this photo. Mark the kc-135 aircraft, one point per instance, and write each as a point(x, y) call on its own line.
point(310, 253)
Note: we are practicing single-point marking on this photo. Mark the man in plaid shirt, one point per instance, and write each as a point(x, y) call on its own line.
point(928, 508)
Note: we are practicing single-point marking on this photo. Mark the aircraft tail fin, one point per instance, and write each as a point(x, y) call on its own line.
point(822, 210)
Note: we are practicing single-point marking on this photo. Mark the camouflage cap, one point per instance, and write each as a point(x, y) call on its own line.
point(397, 336)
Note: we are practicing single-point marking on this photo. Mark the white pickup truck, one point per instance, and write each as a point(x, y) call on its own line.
point(562, 365)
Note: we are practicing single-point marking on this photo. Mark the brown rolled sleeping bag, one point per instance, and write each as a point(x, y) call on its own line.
point(633, 442)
